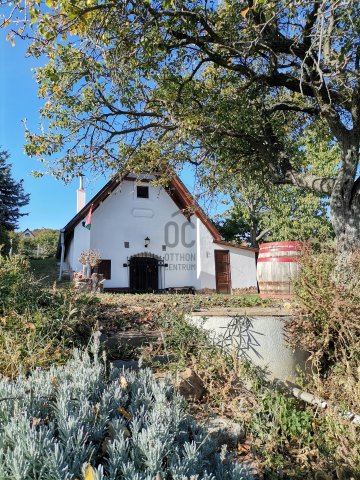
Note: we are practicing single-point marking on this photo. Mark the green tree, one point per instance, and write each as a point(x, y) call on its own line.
point(47, 239)
point(12, 199)
point(267, 212)
point(4, 240)
point(275, 214)
point(233, 82)
point(43, 244)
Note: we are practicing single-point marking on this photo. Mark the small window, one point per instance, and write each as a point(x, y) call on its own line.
point(164, 248)
point(142, 192)
point(105, 269)
point(126, 244)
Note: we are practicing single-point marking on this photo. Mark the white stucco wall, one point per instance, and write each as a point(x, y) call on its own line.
point(81, 241)
point(206, 263)
point(242, 262)
point(69, 254)
point(122, 217)
point(243, 266)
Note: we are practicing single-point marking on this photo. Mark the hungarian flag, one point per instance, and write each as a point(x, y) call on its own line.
point(88, 219)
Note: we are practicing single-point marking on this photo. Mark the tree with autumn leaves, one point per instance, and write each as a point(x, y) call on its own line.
point(147, 83)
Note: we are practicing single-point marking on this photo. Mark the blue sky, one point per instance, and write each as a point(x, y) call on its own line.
point(52, 203)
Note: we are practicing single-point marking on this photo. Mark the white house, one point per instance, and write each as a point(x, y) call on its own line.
point(27, 233)
point(153, 238)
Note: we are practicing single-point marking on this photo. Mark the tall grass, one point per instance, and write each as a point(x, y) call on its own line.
point(39, 326)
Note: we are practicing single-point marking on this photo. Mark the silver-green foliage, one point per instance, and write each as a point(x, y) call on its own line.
point(56, 421)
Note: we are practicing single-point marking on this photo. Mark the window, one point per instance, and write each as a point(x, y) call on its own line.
point(105, 269)
point(142, 192)
point(126, 244)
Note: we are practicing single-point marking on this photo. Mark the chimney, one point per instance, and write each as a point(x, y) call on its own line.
point(80, 195)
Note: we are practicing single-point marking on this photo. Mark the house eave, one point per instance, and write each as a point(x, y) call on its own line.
point(176, 190)
point(234, 245)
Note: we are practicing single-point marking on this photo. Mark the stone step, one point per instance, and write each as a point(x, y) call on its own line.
point(131, 338)
point(126, 364)
point(134, 364)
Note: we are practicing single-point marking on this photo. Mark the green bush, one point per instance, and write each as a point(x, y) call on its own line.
point(18, 288)
point(281, 417)
point(83, 421)
point(42, 245)
point(39, 326)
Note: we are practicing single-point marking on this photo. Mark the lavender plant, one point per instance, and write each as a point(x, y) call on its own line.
point(85, 420)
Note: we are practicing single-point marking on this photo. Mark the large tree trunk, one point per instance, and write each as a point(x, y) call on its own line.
point(345, 200)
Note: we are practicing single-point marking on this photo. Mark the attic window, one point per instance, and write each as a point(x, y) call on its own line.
point(142, 192)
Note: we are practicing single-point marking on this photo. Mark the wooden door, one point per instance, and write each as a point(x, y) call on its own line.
point(222, 271)
point(144, 274)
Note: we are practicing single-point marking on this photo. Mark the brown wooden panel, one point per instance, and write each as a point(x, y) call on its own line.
point(222, 271)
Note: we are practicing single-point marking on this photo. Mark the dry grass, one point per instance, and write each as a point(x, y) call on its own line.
point(326, 323)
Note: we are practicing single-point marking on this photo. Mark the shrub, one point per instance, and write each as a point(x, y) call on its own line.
point(42, 245)
point(282, 431)
point(18, 288)
point(39, 326)
point(82, 419)
point(326, 324)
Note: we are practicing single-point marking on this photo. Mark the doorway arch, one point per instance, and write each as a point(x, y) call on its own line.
point(144, 272)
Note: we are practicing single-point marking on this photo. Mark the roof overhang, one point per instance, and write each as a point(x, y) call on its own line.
point(236, 245)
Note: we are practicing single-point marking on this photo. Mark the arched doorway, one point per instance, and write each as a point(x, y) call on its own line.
point(144, 272)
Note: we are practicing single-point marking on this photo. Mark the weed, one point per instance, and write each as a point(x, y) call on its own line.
point(39, 326)
point(325, 323)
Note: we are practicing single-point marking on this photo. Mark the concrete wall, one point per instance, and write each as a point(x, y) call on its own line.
point(259, 339)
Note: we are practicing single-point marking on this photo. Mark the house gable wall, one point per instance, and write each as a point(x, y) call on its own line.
point(242, 265)
point(122, 217)
point(190, 249)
